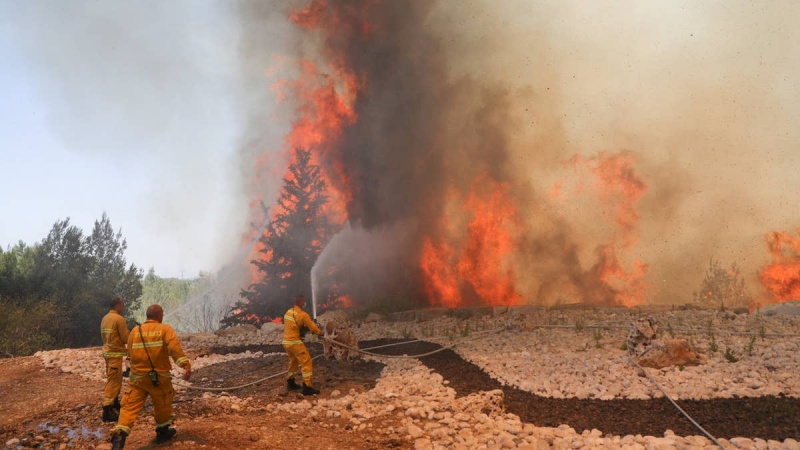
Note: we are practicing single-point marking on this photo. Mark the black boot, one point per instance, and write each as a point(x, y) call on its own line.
point(110, 414)
point(118, 440)
point(292, 385)
point(308, 390)
point(165, 433)
point(117, 404)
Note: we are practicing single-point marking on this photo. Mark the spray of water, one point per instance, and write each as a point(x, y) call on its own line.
point(314, 290)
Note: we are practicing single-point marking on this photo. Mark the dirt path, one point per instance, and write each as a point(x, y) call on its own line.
point(28, 392)
point(47, 408)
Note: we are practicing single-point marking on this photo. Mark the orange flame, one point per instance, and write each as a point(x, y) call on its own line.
point(619, 188)
point(782, 277)
point(480, 271)
point(324, 97)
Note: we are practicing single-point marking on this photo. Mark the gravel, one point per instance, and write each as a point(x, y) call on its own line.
point(551, 353)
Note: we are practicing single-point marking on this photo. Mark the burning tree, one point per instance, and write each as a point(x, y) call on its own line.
point(289, 245)
point(723, 286)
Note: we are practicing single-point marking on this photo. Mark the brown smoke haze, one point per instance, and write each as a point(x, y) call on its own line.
point(702, 97)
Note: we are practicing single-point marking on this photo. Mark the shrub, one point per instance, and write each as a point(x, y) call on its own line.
point(713, 347)
point(722, 287)
point(26, 329)
point(751, 345)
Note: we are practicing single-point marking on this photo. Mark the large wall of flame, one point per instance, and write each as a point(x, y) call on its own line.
point(702, 96)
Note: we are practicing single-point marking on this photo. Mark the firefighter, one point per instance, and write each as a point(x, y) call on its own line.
point(150, 346)
point(295, 319)
point(114, 332)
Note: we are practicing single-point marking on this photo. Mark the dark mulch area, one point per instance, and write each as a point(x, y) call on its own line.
point(764, 417)
point(329, 374)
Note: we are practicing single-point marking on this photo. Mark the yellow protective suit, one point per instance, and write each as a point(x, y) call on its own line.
point(161, 343)
point(114, 332)
point(297, 351)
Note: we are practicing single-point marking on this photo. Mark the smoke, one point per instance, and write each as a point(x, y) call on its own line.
point(699, 96)
point(144, 90)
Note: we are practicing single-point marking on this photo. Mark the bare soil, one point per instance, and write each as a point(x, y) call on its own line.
point(49, 409)
point(46, 408)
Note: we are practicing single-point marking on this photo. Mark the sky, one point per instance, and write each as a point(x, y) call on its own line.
point(127, 108)
point(152, 112)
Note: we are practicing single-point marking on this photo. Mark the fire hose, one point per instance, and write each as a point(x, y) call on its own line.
point(479, 334)
point(362, 351)
point(685, 414)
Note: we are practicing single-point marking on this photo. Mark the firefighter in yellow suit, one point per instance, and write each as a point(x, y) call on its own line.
point(150, 346)
point(297, 351)
point(114, 331)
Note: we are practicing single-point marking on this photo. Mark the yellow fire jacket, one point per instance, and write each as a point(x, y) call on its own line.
point(114, 332)
point(292, 321)
point(160, 342)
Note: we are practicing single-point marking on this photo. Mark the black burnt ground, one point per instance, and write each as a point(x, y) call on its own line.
point(775, 418)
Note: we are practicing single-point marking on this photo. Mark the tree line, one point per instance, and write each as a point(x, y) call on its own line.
point(54, 292)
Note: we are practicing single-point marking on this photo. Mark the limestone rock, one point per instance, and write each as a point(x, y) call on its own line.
point(486, 402)
point(670, 352)
point(372, 317)
point(271, 327)
point(339, 331)
point(239, 330)
point(641, 336)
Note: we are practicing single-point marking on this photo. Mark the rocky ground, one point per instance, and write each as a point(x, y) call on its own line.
point(526, 378)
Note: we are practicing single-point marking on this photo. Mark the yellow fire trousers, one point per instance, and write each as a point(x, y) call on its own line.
point(113, 380)
point(298, 355)
point(133, 401)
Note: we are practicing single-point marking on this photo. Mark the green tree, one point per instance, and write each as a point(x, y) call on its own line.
point(55, 292)
point(62, 265)
point(109, 276)
point(17, 264)
point(170, 293)
point(290, 244)
point(80, 274)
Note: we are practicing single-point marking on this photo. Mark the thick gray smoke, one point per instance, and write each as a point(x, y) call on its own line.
point(701, 97)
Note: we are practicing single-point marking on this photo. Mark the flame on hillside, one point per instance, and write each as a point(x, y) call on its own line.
point(781, 278)
point(467, 209)
point(616, 277)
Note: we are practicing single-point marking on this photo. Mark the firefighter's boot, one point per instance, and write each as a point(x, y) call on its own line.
point(117, 404)
point(165, 433)
point(110, 414)
point(308, 390)
point(118, 440)
point(292, 385)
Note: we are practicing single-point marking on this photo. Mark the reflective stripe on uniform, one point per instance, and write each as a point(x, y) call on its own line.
point(122, 428)
point(291, 342)
point(148, 344)
point(288, 317)
point(106, 330)
point(114, 354)
point(181, 360)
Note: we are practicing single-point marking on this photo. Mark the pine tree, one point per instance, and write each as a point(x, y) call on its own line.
point(290, 244)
